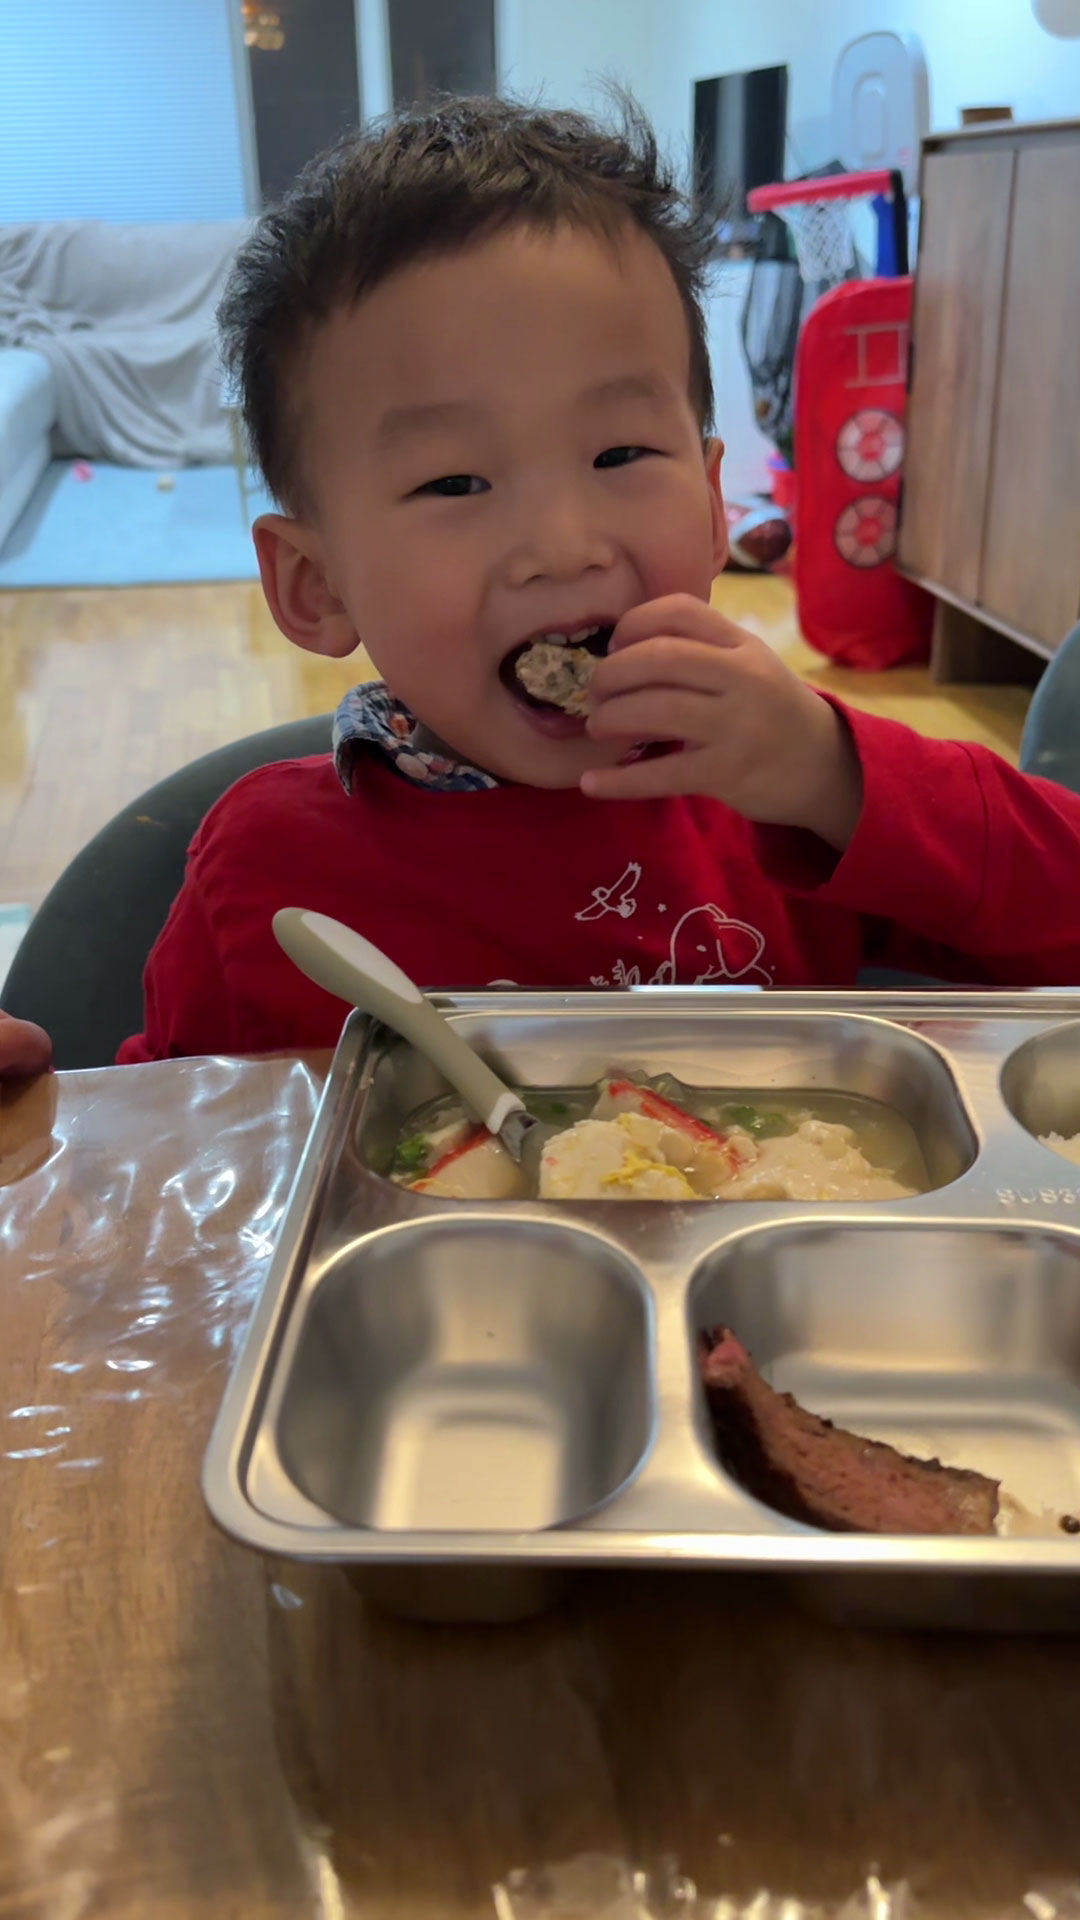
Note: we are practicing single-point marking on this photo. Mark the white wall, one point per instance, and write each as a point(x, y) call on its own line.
point(562, 49)
point(979, 52)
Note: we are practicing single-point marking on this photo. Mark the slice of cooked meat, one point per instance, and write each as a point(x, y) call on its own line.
point(818, 1473)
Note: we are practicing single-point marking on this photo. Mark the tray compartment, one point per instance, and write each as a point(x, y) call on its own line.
point(956, 1341)
point(1040, 1082)
point(763, 1052)
point(470, 1374)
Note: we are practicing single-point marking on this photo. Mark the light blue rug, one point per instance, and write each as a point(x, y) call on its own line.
point(120, 529)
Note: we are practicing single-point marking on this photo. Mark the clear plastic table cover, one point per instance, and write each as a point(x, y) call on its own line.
point(188, 1730)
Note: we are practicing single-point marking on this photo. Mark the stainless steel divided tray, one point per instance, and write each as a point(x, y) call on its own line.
point(467, 1400)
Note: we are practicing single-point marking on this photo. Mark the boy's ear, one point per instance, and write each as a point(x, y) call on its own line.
point(298, 593)
point(714, 454)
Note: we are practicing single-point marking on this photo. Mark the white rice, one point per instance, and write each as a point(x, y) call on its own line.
point(1067, 1145)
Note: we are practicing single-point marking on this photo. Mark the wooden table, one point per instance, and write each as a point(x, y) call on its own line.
point(188, 1733)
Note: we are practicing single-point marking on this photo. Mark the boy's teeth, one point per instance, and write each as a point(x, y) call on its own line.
point(571, 639)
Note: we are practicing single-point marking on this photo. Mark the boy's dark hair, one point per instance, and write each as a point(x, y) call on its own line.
point(432, 181)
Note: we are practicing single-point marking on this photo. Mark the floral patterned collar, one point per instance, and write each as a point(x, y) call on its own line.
point(369, 719)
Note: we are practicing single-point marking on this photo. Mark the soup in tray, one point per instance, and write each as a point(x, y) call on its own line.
point(632, 1138)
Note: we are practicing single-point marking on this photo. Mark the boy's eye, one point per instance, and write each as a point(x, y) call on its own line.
point(454, 486)
point(620, 456)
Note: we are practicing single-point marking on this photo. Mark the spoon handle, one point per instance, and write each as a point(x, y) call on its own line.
point(346, 964)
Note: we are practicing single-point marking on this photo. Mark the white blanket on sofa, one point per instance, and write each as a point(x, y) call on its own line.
point(125, 317)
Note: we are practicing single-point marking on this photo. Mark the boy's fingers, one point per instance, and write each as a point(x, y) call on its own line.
point(664, 661)
point(644, 779)
point(678, 614)
point(656, 713)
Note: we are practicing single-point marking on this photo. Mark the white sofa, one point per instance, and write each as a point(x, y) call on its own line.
point(108, 347)
point(27, 412)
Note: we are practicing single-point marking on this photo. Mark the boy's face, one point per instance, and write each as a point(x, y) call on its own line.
point(500, 444)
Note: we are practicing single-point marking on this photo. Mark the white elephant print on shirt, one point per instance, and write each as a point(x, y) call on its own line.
point(706, 945)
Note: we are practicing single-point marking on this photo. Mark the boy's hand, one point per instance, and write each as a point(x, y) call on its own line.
point(753, 734)
point(25, 1049)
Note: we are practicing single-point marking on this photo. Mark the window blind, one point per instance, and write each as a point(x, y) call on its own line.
point(119, 110)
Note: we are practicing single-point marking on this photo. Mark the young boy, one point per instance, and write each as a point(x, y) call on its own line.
point(475, 376)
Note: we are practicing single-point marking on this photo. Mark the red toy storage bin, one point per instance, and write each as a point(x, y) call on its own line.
point(849, 443)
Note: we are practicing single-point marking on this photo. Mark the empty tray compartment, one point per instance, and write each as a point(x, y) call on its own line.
point(470, 1375)
point(1040, 1083)
point(759, 1054)
point(956, 1342)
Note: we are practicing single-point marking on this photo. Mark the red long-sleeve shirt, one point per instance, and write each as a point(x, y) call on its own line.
point(960, 867)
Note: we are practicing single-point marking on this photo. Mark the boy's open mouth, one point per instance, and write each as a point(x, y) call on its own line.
point(550, 673)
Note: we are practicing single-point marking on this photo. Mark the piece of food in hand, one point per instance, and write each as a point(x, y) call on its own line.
point(709, 1159)
point(478, 1167)
point(555, 669)
point(557, 675)
point(818, 1473)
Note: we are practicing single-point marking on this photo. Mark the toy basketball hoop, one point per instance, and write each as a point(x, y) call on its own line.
point(817, 214)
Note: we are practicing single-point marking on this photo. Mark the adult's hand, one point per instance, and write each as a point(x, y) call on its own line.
point(25, 1049)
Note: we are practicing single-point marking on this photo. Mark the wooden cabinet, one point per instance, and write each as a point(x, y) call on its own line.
point(991, 511)
point(955, 335)
point(1031, 557)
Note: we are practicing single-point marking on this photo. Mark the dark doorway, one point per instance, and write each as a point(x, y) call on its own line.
point(440, 46)
point(305, 85)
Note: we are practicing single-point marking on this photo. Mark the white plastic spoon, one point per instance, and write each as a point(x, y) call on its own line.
point(346, 964)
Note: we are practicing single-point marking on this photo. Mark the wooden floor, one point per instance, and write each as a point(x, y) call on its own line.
point(104, 691)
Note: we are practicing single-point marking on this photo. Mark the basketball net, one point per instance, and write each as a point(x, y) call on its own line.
point(823, 239)
point(817, 213)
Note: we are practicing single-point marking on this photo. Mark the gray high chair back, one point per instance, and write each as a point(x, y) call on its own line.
point(1051, 740)
point(78, 970)
point(1049, 745)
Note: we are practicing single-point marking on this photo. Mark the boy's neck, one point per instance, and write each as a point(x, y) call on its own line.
point(429, 742)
